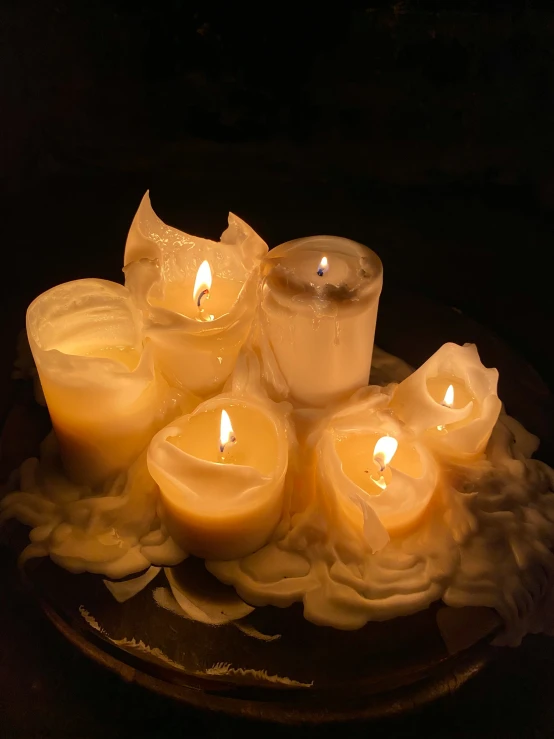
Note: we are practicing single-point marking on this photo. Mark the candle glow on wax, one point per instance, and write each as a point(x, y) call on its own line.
point(452, 398)
point(226, 435)
point(216, 505)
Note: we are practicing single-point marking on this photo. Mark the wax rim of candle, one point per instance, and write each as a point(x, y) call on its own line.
point(144, 276)
point(406, 497)
point(161, 445)
point(326, 245)
point(67, 299)
point(361, 258)
point(414, 404)
point(149, 237)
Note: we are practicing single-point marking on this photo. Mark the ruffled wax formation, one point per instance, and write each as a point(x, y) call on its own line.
point(218, 405)
point(197, 297)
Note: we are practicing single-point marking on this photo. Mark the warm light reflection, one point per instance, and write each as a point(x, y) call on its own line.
point(226, 434)
point(384, 451)
point(449, 397)
point(323, 266)
point(202, 283)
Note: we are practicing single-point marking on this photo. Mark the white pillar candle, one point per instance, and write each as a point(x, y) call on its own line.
point(316, 319)
point(197, 296)
point(221, 472)
point(451, 399)
point(373, 477)
point(104, 400)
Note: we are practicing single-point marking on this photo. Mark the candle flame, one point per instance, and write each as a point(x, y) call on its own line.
point(384, 451)
point(323, 266)
point(202, 283)
point(226, 434)
point(449, 397)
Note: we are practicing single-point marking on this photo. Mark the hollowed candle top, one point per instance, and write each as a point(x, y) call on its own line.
point(353, 273)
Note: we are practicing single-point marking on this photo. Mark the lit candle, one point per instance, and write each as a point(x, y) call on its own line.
point(317, 319)
point(103, 397)
point(373, 478)
point(452, 399)
point(221, 472)
point(197, 296)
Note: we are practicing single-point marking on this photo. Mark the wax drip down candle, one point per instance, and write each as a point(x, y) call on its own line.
point(451, 399)
point(316, 319)
point(102, 393)
point(197, 296)
point(221, 472)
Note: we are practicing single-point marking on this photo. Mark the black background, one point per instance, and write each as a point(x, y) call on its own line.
point(422, 129)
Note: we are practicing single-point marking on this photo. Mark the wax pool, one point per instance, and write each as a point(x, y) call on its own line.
point(200, 438)
point(179, 297)
point(356, 453)
point(128, 356)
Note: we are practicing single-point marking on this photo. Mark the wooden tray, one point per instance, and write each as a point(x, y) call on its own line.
point(385, 668)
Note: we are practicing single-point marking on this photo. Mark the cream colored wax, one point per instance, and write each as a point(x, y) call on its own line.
point(99, 384)
point(451, 399)
point(316, 321)
point(398, 494)
point(221, 504)
point(195, 336)
point(365, 496)
point(356, 453)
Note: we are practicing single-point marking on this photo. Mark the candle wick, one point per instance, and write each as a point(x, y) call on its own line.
point(232, 440)
point(379, 461)
point(205, 294)
point(320, 271)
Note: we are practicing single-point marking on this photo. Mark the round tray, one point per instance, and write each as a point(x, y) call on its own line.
point(308, 674)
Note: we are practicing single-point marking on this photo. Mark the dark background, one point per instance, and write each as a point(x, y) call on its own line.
point(422, 129)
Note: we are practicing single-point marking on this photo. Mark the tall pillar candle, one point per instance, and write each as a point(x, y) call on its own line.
point(99, 384)
point(316, 319)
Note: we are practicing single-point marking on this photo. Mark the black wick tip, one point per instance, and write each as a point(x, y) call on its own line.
point(202, 295)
